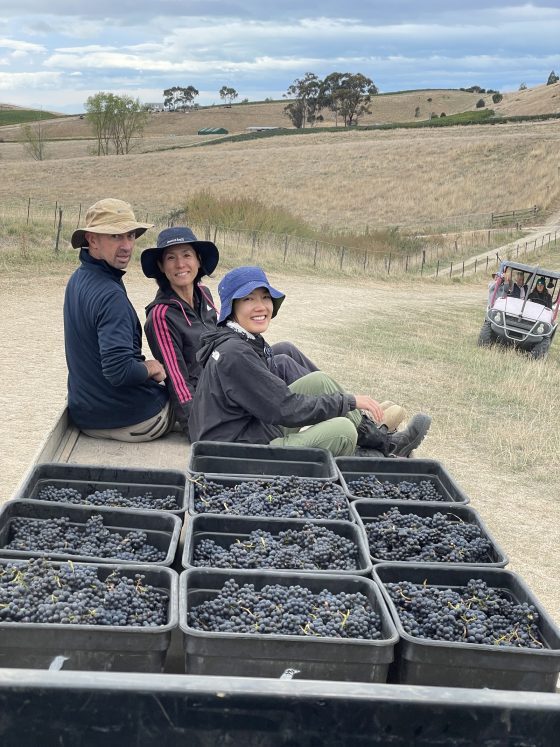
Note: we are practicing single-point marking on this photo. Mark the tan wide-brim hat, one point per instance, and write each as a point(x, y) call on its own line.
point(109, 216)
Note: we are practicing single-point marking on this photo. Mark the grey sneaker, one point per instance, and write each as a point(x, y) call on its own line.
point(402, 443)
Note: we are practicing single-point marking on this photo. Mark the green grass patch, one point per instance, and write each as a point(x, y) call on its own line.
point(22, 116)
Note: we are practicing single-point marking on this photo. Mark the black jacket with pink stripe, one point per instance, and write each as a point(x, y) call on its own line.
point(173, 330)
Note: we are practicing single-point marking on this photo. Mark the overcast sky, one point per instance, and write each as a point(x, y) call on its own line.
point(56, 59)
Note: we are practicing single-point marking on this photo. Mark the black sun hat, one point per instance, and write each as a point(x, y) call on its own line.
point(207, 251)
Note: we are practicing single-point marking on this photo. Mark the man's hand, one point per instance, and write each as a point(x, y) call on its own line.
point(363, 402)
point(155, 370)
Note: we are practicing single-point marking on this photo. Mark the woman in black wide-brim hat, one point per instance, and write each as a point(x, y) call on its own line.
point(184, 309)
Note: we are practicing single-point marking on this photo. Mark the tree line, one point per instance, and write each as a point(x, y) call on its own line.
point(117, 120)
point(347, 95)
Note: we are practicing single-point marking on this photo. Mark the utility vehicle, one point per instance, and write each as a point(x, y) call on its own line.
point(521, 322)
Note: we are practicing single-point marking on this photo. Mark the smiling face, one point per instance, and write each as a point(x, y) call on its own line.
point(114, 248)
point(180, 265)
point(253, 312)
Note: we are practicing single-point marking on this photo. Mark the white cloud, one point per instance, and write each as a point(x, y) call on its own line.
point(21, 46)
point(18, 81)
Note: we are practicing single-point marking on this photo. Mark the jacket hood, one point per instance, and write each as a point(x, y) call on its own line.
point(210, 341)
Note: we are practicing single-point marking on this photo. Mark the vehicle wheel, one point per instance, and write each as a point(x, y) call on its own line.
point(487, 336)
point(541, 349)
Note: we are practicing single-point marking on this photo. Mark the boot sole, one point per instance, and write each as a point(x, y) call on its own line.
point(422, 423)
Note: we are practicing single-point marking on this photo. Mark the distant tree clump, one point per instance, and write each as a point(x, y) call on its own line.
point(480, 104)
point(497, 97)
point(347, 95)
point(179, 98)
point(552, 78)
point(228, 94)
point(306, 105)
point(417, 112)
point(443, 114)
point(523, 86)
point(116, 120)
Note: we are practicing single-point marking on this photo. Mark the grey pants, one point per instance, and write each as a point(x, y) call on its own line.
point(155, 427)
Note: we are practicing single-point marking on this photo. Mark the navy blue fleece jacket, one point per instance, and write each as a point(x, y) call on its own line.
point(108, 385)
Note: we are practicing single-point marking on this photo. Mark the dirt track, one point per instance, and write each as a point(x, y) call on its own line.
point(34, 385)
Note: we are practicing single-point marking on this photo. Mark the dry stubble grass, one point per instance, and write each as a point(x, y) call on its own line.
point(335, 179)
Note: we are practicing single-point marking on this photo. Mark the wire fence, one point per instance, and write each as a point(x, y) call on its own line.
point(417, 253)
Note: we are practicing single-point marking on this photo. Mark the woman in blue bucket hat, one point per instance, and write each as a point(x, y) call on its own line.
point(184, 309)
point(238, 398)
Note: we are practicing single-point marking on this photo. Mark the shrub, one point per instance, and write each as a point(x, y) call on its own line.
point(497, 97)
point(480, 104)
point(443, 114)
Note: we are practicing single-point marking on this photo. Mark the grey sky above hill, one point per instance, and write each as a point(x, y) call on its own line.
point(56, 59)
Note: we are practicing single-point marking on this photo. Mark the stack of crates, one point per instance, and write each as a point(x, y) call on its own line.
point(94, 647)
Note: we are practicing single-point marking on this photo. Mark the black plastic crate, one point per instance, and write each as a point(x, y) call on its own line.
point(262, 655)
point(94, 647)
point(365, 510)
point(226, 530)
point(162, 529)
point(258, 460)
point(399, 470)
point(89, 478)
point(236, 480)
point(423, 661)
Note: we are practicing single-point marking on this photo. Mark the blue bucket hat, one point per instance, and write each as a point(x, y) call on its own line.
point(239, 283)
point(207, 251)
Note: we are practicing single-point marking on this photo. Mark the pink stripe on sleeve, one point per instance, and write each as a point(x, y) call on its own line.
point(170, 362)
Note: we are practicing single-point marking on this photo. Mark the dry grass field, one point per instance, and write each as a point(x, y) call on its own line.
point(339, 180)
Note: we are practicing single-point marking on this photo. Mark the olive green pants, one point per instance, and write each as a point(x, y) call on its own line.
point(337, 435)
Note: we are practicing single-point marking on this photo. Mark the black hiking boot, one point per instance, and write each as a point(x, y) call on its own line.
point(402, 443)
point(372, 437)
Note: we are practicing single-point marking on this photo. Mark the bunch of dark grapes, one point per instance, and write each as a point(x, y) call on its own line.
point(108, 497)
point(286, 610)
point(439, 538)
point(472, 614)
point(311, 548)
point(369, 486)
point(287, 497)
point(91, 539)
point(38, 591)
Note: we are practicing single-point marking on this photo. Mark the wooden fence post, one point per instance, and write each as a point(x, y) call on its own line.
point(55, 213)
point(450, 269)
point(463, 274)
point(58, 230)
point(437, 268)
point(285, 247)
point(406, 264)
point(343, 249)
point(79, 215)
point(486, 263)
point(315, 255)
point(365, 258)
point(28, 209)
point(475, 263)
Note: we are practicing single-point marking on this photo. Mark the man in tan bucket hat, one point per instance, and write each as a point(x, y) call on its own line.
point(113, 391)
